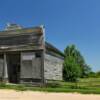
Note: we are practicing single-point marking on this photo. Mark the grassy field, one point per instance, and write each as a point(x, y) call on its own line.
point(86, 86)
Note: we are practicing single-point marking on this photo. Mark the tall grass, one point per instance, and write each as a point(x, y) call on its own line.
point(87, 86)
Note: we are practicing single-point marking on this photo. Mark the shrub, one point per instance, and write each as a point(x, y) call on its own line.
point(2, 85)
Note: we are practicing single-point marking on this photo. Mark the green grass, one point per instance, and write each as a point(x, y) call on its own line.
point(86, 86)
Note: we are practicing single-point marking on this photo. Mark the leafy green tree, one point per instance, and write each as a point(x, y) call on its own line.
point(85, 69)
point(75, 63)
point(98, 74)
point(92, 74)
point(71, 70)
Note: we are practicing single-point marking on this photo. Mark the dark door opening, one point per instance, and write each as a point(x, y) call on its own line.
point(1, 66)
point(13, 63)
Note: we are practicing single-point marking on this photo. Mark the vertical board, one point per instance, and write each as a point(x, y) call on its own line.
point(36, 68)
point(1, 67)
point(26, 69)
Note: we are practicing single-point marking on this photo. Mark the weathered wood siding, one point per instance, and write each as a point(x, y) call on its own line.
point(53, 67)
point(30, 66)
point(1, 67)
point(22, 39)
point(36, 70)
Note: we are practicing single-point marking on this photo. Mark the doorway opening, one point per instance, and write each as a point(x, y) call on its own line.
point(13, 63)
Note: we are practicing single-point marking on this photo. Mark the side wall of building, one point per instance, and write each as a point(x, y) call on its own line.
point(53, 67)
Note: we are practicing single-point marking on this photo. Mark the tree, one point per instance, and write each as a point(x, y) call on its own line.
point(92, 74)
point(85, 69)
point(98, 74)
point(71, 70)
point(74, 63)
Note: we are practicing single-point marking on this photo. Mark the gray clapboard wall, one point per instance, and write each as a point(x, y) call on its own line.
point(53, 67)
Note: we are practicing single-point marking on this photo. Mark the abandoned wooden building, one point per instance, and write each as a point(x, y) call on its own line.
point(25, 56)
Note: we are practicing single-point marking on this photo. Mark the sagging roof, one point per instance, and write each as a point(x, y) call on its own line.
point(16, 38)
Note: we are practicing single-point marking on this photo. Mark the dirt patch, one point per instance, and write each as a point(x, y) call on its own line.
point(30, 95)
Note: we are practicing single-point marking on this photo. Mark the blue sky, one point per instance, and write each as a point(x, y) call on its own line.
point(66, 22)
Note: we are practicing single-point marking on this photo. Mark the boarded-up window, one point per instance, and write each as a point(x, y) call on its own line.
point(28, 56)
point(26, 69)
point(26, 64)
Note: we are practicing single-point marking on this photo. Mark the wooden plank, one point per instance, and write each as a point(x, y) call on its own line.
point(36, 68)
